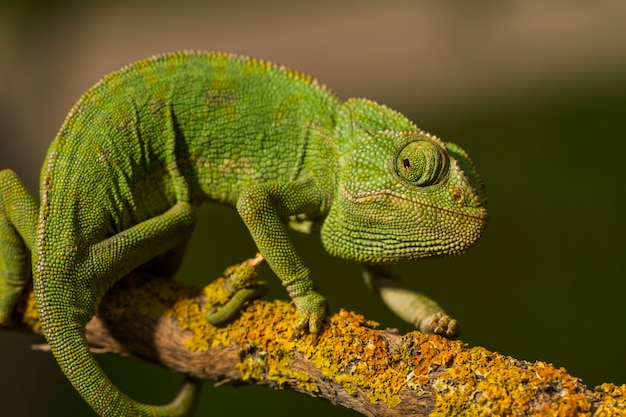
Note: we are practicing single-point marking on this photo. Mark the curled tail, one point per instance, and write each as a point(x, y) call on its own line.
point(69, 281)
point(72, 353)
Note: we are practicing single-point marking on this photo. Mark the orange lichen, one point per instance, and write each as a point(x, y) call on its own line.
point(349, 350)
point(612, 400)
point(352, 353)
point(479, 382)
point(263, 331)
point(463, 381)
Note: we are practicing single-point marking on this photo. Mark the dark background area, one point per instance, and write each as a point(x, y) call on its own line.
point(534, 91)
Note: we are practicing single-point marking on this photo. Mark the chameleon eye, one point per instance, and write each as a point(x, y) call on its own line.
point(422, 163)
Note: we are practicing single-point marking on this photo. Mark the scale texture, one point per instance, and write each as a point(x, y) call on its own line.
point(148, 143)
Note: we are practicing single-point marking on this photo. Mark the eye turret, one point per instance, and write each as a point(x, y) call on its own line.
point(422, 163)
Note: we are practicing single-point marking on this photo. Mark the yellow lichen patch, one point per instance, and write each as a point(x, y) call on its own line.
point(217, 292)
point(352, 353)
point(150, 296)
point(263, 331)
point(612, 400)
point(383, 366)
point(479, 382)
point(191, 315)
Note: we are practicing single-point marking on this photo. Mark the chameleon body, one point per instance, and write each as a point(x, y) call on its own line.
point(149, 142)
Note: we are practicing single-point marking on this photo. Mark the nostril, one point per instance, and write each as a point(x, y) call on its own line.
point(457, 195)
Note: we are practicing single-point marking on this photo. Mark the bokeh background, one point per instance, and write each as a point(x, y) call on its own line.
point(535, 91)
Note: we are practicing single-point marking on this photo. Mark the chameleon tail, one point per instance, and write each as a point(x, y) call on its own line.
point(67, 292)
point(73, 355)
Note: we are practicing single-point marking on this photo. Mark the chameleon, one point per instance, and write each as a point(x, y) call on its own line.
point(147, 144)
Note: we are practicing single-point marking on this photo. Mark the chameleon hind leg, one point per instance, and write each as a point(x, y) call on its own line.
point(424, 313)
point(102, 264)
point(168, 263)
point(18, 220)
point(241, 286)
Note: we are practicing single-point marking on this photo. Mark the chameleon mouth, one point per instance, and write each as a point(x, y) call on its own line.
point(407, 231)
point(481, 214)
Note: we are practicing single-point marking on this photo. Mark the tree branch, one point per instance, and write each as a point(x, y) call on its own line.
point(375, 372)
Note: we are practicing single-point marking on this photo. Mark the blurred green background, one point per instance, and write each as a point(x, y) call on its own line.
point(534, 91)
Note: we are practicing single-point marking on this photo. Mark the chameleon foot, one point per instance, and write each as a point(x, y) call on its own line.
point(239, 280)
point(236, 302)
point(311, 312)
point(441, 324)
point(424, 313)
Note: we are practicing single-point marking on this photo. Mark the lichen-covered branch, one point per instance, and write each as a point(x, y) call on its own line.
point(375, 372)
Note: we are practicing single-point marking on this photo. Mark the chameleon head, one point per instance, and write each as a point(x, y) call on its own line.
point(404, 195)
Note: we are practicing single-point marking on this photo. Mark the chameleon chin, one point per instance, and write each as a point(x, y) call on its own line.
point(148, 143)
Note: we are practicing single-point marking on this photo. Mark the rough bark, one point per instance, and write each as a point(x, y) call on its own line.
point(354, 365)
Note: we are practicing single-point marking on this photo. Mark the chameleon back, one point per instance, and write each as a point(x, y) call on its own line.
point(187, 126)
point(138, 149)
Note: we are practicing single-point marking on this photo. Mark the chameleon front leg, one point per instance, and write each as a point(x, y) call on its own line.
point(158, 241)
point(18, 220)
point(263, 207)
point(424, 313)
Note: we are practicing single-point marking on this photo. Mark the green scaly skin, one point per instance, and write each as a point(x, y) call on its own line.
point(151, 141)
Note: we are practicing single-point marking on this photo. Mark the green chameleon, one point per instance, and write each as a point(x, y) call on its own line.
point(151, 141)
